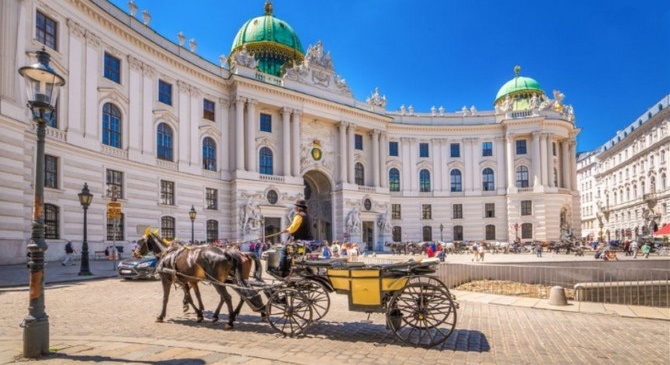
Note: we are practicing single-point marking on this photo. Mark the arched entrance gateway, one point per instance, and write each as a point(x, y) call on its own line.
point(318, 190)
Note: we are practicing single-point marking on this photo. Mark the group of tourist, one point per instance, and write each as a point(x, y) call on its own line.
point(349, 250)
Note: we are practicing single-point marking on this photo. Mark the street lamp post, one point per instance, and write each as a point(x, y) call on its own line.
point(191, 214)
point(441, 229)
point(85, 198)
point(42, 87)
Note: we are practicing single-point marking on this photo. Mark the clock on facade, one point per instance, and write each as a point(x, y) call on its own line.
point(272, 197)
point(367, 204)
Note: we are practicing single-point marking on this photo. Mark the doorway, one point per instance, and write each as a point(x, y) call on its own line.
point(319, 204)
point(368, 235)
point(272, 227)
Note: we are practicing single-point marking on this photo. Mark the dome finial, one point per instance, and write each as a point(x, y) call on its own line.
point(268, 7)
point(517, 70)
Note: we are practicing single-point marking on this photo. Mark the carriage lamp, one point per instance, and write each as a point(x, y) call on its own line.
point(42, 87)
point(85, 199)
point(191, 214)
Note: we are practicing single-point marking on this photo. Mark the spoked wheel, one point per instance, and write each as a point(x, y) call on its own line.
point(317, 296)
point(422, 314)
point(289, 311)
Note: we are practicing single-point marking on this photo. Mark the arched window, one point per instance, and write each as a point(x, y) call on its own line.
point(488, 180)
point(265, 162)
point(164, 142)
point(634, 191)
point(456, 180)
point(427, 233)
point(209, 154)
point(527, 230)
point(394, 179)
point(397, 234)
point(664, 182)
point(627, 194)
point(555, 177)
point(424, 180)
point(212, 230)
point(167, 227)
point(458, 233)
point(359, 174)
point(51, 222)
point(522, 177)
point(490, 232)
point(111, 125)
point(115, 233)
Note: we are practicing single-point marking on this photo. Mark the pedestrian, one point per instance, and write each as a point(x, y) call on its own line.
point(539, 249)
point(646, 249)
point(252, 247)
point(69, 252)
point(440, 252)
point(429, 252)
point(335, 249)
point(634, 248)
point(325, 250)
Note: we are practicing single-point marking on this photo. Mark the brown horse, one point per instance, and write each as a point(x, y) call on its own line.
point(187, 265)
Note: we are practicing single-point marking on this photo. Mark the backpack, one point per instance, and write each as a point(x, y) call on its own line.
point(68, 248)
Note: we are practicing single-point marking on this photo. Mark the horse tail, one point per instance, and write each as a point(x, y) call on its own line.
point(258, 267)
point(236, 257)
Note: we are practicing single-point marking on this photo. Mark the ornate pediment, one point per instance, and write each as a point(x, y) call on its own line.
point(317, 70)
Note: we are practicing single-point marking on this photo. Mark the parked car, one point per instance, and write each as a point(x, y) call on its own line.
point(142, 268)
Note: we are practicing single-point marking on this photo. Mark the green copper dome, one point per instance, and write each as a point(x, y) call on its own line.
point(518, 85)
point(272, 42)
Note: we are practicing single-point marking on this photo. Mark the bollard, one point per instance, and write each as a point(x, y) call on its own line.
point(557, 296)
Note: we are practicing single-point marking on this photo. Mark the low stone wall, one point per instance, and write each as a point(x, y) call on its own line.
point(654, 293)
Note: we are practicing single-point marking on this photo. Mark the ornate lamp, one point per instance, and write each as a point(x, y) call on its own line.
point(85, 199)
point(191, 214)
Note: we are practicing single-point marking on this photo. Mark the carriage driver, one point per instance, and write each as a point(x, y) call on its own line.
point(300, 230)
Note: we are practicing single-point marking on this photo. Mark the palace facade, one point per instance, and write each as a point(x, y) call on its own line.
point(240, 141)
point(623, 183)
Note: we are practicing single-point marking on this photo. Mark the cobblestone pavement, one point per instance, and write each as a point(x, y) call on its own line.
point(111, 321)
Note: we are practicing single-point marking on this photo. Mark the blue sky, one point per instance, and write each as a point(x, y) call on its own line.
point(611, 59)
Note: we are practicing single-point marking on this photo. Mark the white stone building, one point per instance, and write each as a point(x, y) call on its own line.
point(240, 141)
point(624, 184)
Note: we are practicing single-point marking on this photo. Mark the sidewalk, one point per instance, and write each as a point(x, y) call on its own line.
point(54, 272)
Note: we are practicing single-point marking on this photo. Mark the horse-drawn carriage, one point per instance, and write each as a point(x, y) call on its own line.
point(419, 308)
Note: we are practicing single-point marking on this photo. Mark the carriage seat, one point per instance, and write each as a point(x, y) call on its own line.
point(333, 262)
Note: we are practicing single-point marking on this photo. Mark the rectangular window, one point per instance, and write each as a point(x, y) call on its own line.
point(211, 197)
point(50, 172)
point(527, 231)
point(489, 210)
point(395, 211)
point(553, 148)
point(167, 192)
point(423, 150)
point(458, 211)
point(212, 230)
point(487, 149)
point(426, 211)
point(112, 68)
point(455, 150)
point(393, 148)
point(208, 109)
point(115, 229)
point(526, 207)
point(46, 30)
point(114, 180)
point(521, 147)
point(51, 222)
point(266, 123)
point(164, 92)
point(358, 142)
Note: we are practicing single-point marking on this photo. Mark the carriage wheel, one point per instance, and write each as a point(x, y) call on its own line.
point(317, 296)
point(422, 314)
point(289, 311)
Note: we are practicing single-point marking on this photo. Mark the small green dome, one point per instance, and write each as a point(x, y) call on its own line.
point(271, 40)
point(517, 85)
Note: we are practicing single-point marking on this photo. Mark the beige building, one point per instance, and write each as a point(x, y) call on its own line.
point(241, 140)
point(623, 184)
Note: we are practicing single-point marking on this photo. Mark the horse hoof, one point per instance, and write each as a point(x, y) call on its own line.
point(200, 319)
point(214, 319)
point(159, 320)
point(185, 308)
point(228, 327)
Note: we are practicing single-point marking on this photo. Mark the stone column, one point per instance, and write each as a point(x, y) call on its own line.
point(383, 153)
point(195, 142)
point(239, 133)
point(343, 153)
point(286, 140)
point(446, 157)
point(565, 171)
point(500, 164)
point(413, 155)
point(544, 159)
point(183, 135)
point(93, 113)
point(12, 26)
point(406, 182)
point(509, 159)
point(350, 153)
point(74, 122)
point(252, 163)
point(536, 159)
point(573, 163)
point(148, 123)
point(551, 166)
point(134, 127)
point(295, 142)
point(374, 134)
point(438, 164)
point(223, 119)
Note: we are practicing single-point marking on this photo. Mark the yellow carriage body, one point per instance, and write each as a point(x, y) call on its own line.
point(366, 287)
